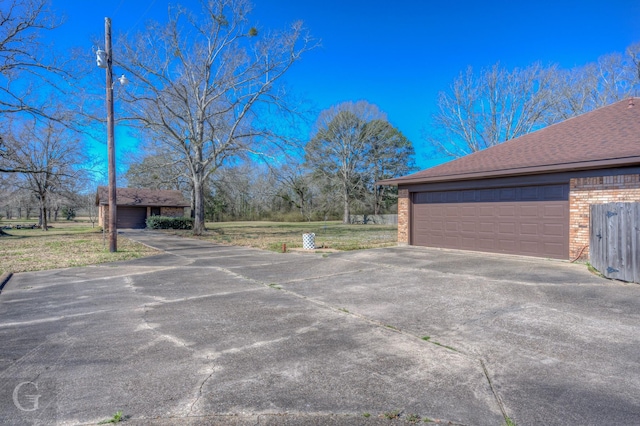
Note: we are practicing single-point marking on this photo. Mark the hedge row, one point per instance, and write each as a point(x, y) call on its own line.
point(164, 222)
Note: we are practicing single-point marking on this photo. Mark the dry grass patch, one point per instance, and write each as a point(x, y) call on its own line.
point(65, 245)
point(272, 235)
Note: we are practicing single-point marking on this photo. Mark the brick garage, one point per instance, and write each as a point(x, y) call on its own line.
point(530, 195)
point(135, 205)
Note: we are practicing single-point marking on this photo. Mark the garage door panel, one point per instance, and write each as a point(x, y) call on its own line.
point(488, 227)
point(553, 211)
point(438, 225)
point(486, 244)
point(467, 211)
point(507, 246)
point(552, 230)
point(529, 211)
point(484, 211)
point(529, 247)
point(508, 228)
point(506, 210)
point(556, 250)
point(468, 226)
point(131, 217)
point(468, 243)
point(533, 228)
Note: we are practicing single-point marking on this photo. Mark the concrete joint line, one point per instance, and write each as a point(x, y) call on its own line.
point(377, 324)
point(325, 276)
point(493, 391)
point(412, 336)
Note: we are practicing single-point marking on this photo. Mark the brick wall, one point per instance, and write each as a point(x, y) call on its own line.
point(103, 216)
point(403, 216)
point(595, 190)
point(172, 211)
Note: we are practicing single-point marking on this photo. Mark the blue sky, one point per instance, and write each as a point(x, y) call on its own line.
point(399, 54)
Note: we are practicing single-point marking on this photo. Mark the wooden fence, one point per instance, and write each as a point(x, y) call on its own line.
point(614, 240)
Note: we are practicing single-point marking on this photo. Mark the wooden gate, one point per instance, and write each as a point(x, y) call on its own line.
point(614, 240)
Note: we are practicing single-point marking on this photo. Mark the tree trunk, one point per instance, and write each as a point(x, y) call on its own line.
point(198, 191)
point(347, 212)
point(376, 200)
point(43, 213)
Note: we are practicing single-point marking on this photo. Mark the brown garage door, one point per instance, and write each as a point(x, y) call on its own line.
point(531, 221)
point(131, 217)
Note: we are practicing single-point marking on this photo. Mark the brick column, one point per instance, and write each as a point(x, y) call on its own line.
point(403, 216)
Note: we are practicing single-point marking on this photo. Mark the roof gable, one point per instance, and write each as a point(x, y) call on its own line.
point(142, 197)
point(605, 137)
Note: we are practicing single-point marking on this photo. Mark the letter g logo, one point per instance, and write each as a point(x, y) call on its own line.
point(32, 399)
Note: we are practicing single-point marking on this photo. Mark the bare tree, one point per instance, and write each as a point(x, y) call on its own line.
point(294, 186)
point(611, 78)
point(29, 71)
point(482, 110)
point(47, 155)
point(495, 105)
point(159, 171)
point(25, 63)
point(88, 202)
point(202, 83)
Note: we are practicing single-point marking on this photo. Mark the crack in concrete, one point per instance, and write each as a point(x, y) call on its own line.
point(328, 306)
point(213, 370)
point(393, 329)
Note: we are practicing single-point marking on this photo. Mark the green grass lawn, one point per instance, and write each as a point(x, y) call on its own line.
point(66, 244)
point(272, 235)
point(76, 243)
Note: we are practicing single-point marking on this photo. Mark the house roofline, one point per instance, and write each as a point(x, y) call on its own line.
point(542, 169)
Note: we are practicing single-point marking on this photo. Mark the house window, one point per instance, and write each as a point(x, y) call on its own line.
point(155, 211)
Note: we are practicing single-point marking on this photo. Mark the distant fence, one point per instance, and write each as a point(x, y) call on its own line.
point(614, 240)
point(375, 219)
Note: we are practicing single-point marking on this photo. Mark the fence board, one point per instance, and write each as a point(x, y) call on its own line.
point(614, 240)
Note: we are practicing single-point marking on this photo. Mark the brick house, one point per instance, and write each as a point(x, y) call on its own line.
point(530, 195)
point(135, 205)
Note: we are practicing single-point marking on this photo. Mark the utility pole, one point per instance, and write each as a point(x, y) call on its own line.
point(111, 150)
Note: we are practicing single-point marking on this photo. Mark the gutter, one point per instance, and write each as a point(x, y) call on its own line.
point(564, 167)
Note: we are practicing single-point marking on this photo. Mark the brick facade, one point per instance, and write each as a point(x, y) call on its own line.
point(103, 215)
point(595, 190)
point(172, 211)
point(403, 216)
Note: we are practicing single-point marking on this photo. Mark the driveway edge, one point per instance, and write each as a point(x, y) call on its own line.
point(4, 279)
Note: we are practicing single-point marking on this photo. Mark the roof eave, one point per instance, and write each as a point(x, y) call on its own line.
point(554, 168)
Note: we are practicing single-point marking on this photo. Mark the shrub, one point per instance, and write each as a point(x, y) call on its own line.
point(69, 212)
point(164, 222)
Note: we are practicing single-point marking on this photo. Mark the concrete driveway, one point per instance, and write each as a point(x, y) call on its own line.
point(211, 334)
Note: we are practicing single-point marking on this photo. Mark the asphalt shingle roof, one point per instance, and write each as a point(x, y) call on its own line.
point(606, 137)
point(142, 197)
